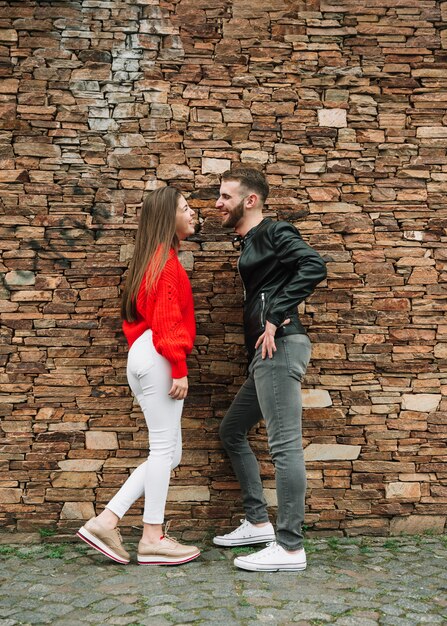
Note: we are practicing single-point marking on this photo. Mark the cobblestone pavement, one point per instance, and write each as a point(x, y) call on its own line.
point(349, 582)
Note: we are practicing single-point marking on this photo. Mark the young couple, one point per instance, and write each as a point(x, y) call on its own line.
point(278, 271)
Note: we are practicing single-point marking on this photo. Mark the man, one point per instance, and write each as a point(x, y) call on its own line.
point(278, 271)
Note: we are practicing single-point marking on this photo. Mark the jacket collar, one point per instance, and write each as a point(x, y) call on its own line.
point(241, 242)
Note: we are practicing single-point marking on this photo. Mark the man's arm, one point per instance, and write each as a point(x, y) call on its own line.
point(304, 265)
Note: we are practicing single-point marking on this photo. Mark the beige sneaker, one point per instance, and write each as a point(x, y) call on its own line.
point(108, 542)
point(167, 551)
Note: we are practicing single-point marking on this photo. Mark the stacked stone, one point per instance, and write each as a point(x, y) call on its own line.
point(344, 107)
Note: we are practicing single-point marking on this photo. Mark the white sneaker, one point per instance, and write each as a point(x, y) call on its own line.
point(246, 534)
point(273, 558)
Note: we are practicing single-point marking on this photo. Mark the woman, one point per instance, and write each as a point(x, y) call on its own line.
point(158, 321)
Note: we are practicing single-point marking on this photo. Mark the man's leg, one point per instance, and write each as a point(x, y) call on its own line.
point(242, 415)
point(278, 386)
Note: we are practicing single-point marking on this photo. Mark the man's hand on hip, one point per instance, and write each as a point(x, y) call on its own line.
point(267, 339)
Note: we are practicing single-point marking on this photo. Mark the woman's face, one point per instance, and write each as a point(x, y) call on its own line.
point(184, 220)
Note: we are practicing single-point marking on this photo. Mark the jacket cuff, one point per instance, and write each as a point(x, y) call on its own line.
point(179, 369)
point(277, 320)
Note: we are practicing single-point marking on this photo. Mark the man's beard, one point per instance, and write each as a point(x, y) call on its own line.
point(235, 216)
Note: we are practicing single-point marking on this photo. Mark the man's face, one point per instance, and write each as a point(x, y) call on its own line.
point(231, 203)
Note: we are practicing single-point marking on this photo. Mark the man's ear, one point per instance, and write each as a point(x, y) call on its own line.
point(251, 200)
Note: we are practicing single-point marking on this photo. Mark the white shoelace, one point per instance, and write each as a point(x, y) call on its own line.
point(243, 526)
point(272, 546)
point(168, 537)
point(271, 549)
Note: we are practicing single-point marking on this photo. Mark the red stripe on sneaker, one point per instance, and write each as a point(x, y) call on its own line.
point(93, 545)
point(191, 558)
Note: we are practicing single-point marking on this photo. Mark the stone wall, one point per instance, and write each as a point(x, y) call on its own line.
point(343, 105)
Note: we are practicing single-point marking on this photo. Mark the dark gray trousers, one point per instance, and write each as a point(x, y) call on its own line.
point(272, 391)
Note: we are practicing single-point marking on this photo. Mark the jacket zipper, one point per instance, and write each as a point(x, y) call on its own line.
point(243, 285)
point(262, 308)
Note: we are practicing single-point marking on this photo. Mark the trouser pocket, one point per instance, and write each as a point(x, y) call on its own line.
point(297, 350)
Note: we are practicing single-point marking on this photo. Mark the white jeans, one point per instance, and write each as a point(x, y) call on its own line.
point(150, 378)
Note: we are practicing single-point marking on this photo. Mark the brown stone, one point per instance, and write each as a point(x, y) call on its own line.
point(14, 176)
point(10, 494)
point(404, 491)
point(423, 276)
point(37, 149)
point(98, 293)
point(168, 172)
point(328, 351)
point(323, 194)
point(395, 304)
point(75, 480)
point(92, 71)
point(417, 524)
point(77, 511)
point(289, 152)
point(101, 440)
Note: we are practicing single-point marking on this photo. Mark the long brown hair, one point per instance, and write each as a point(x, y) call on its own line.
point(155, 237)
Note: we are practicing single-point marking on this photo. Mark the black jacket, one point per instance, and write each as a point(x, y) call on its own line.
point(278, 270)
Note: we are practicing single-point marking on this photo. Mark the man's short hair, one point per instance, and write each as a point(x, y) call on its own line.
point(252, 179)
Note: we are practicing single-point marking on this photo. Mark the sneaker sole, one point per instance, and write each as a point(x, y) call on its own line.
point(249, 541)
point(97, 544)
point(257, 567)
point(161, 560)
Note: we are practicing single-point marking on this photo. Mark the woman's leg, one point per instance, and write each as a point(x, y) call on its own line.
point(150, 380)
point(133, 489)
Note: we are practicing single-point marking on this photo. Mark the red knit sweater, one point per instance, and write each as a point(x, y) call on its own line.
point(168, 310)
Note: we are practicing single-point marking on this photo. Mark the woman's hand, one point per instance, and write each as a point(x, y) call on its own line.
point(179, 389)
